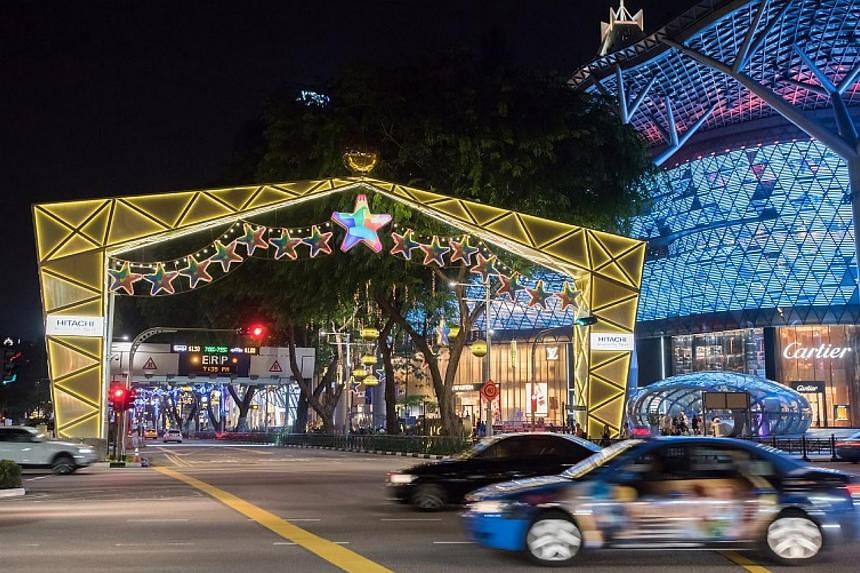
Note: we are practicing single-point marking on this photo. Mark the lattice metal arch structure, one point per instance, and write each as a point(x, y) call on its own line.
point(74, 240)
point(725, 62)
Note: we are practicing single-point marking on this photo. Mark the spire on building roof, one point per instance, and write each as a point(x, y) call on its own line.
point(622, 29)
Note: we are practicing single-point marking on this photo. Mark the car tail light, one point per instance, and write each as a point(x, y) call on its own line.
point(847, 444)
point(854, 490)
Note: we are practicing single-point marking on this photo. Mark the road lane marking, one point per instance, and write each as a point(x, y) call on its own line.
point(294, 543)
point(410, 519)
point(332, 552)
point(35, 478)
point(158, 520)
point(741, 560)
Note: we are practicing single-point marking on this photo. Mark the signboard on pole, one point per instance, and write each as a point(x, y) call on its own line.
point(490, 390)
point(68, 325)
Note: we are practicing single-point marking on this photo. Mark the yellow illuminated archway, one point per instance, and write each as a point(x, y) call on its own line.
point(75, 238)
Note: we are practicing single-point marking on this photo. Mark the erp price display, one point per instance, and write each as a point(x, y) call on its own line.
point(219, 364)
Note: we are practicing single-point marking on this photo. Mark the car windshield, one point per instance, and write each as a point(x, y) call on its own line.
point(478, 448)
point(854, 436)
point(600, 458)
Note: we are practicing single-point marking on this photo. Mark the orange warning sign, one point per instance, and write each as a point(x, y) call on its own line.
point(276, 367)
point(150, 364)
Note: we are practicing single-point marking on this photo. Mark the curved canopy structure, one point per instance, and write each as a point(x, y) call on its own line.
point(774, 409)
point(75, 239)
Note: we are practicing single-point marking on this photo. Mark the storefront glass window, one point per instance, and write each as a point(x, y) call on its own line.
point(822, 363)
point(739, 351)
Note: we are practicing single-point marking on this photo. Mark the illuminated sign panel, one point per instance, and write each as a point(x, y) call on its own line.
point(611, 341)
point(797, 350)
point(205, 364)
point(67, 325)
point(214, 349)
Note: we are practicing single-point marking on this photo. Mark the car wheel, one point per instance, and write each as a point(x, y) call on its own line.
point(553, 539)
point(63, 464)
point(428, 497)
point(793, 538)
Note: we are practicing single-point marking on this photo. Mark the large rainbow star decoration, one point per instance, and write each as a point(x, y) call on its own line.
point(462, 251)
point(123, 279)
point(196, 271)
point(434, 252)
point(403, 244)
point(567, 296)
point(538, 295)
point(361, 226)
point(510, 285)
point(226, 255)
point(285, 245)
point(161, 280)
point(485, 267)
point(252, 238)
point(318, 242)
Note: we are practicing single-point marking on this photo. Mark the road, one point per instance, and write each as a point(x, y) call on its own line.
point(260, 509)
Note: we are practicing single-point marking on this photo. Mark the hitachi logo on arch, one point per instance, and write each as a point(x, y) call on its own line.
point(797, 350)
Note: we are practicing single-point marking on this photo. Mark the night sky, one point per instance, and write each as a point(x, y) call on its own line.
point(101, 98)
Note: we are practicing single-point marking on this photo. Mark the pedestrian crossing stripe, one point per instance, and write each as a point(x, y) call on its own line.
point(150, 364)
point(276, 367)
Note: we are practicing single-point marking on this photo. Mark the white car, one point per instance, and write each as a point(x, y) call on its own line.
point(30, 449)
point(172, 436)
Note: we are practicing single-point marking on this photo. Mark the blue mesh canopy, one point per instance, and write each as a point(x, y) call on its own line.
point(775, 409)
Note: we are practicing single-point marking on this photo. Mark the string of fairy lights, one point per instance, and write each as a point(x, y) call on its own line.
point(243, 240)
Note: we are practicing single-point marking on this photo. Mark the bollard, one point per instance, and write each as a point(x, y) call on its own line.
point(833, 457)
point(803, 448)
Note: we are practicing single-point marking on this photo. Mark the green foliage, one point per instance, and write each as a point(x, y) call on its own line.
point(10, 474)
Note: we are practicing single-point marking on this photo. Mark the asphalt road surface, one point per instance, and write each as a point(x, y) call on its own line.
point(213, 508)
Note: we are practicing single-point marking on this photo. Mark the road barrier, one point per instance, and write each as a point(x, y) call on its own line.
point(380, 443)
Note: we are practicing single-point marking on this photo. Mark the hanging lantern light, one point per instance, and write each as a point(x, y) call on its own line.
point(453, 332)
point(369, 334)
point(368, 359)
point(359, 373)
point(479, 348)
point(371, 381)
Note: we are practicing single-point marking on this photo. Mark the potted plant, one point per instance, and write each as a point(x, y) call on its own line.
point(10, 479)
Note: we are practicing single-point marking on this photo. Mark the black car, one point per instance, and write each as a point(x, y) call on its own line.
point(848, 449)
point(430, 486)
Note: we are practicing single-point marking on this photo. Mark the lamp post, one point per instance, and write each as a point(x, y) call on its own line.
point(488, 339)
point(347, 370)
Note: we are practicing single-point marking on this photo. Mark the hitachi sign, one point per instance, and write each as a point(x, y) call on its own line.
point(611, 341)
point(797, 350)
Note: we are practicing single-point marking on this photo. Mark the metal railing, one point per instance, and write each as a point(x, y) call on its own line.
point(432, 445)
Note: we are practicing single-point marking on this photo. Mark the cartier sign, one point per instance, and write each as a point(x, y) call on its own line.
point(796, 350)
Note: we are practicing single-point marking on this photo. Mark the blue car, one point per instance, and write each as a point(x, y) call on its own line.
point(674, 493)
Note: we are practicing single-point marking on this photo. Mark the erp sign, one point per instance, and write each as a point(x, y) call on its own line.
point(204, 364)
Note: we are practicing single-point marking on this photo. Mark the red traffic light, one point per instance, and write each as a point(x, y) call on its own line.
point(255, 331)
point(121, 398)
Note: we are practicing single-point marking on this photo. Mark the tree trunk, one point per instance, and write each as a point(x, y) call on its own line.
point(386, 348)
point(300, 426)
point(323, 399)
point(244, 404)
point(216, 423)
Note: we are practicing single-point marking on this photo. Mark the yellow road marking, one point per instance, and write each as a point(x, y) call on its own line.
point(337, 555)
point(741, 560)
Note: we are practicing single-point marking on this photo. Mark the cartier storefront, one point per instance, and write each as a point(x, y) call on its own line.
point(822, 363)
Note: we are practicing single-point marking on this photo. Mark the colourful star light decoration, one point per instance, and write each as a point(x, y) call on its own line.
point(434, 253)
point(538, 295)
point(252, 238)
point(567, 296)
point(361, 226)
point(123, 279)
point(318, 242)
point(161, 280)
point(196, 271)
point(285, 245)
point(462, 251)
point(485, 267)
point(403, 244)
point(226, 255)
point(510, 285)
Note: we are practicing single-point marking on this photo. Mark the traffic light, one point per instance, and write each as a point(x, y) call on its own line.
point(11, 361)
point(255, 331)
point(585, 321)
point(121, 398)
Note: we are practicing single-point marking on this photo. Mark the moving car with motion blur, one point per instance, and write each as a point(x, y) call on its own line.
point(150, 433)
point(29, 449)
point(671, 493)
point(848, 449)
point(432, 485)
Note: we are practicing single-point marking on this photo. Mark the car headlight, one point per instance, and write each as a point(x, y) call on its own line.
point(85, 450)
point(488, 506)
point(399, 479)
